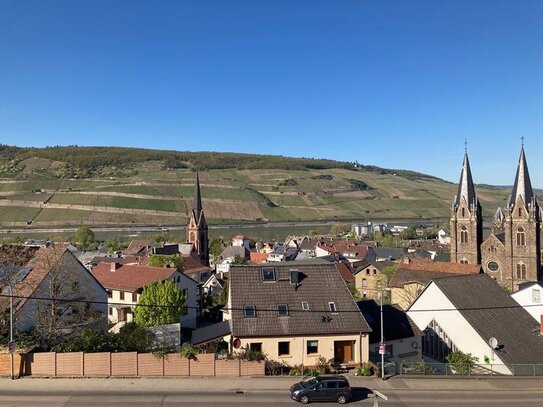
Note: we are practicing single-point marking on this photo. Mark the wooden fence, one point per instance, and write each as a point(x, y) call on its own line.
point(125, 364)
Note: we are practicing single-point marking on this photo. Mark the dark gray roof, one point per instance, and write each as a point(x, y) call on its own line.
point(318, 285)
point(391, 253)
point(492, 312)
point(523, 185)
point(396, 323)
point(232, 251)
point(211, 333)
point(443, 257)
point(466, 188)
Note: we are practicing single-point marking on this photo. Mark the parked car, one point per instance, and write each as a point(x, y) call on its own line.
point(322, 388)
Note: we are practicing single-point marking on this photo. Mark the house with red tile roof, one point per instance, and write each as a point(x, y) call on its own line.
point(126, 283)
point(32, 271)
point(353, 251)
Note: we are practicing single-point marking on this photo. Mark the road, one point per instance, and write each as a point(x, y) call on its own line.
point(275, 398)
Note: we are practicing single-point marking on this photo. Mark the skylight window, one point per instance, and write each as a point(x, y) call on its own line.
point(249, 311)
point(332, 306)
point(282, 310)
point(305, 306)
point(268, 274)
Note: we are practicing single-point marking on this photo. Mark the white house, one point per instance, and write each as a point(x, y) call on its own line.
point(464, 312)
point(529, 297)
point(126, 283)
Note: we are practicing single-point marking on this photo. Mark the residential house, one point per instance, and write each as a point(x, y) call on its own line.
point(139, 247)
point(282, 253)
point(474, 315)
point(368, 279)
point(241, 241)
point(284, 312)
point(228, 256)
point(54, 272)
point(402, 336)
point(353, 251)
point(126, 283)
point(256, 257)
point(529, 297)
point(413, 275)
point(388, 253)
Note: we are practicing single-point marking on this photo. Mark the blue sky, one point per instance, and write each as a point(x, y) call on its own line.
point(398, 84)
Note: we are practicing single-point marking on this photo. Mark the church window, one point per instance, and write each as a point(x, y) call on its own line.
point(464, 261)
point(493, 266)
point(520, 212)
point(192, 237)
point(463, 234)
point(521, 271)
point(463, 212)
point(521, 238)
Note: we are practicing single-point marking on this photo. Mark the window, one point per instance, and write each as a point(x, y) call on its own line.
point(110, 311)
point(521, 237)
point(520, 212)
point(256, 346)
point(536, 295)
point(249, 311)
point(134, 297)
point(464, 261)
point(331, 385)
point(293, 276)
point(109, 293)
point(312, 347)
point(463, 212)
point(121, 295)
point(493, 266)
point(463, 234)
point(521, 271)
point(332, 306)
point(364, 282)
point(283, 348)
point(282, 310)
point(305, 306)
point(268, 274)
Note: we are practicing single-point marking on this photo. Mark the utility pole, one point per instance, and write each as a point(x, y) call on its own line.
point(382, 346)
point(11, 344)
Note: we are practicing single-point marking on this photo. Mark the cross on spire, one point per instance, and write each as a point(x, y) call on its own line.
point(466, 145)
point(522, 141)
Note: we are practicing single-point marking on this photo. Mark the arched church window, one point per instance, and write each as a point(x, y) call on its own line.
point(192, 239)
point(521, 271)
point(521, 237)
point(463, 234)
point(520, 212)
point(464, 261)
point(463, 212)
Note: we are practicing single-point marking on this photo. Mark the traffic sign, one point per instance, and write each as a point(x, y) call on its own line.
point(382, 349)
point(11, 347)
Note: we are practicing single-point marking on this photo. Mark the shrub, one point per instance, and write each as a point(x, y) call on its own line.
point(274, 368)
point(421, 368)
point(188, 351)
point(323, 365)
point(250, 355)
point(364, 370)
point(461, 363)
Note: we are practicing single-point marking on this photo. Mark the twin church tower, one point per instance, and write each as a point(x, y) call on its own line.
point(511, 254)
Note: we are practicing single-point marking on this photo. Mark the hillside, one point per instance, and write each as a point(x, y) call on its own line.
point(57, 186)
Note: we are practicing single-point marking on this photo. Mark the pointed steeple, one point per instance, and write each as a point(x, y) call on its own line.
point(523, 186)
point(499, 216)
point(197, 207)
point(466, 189)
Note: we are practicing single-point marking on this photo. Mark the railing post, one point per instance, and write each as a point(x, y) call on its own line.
point(534, 369)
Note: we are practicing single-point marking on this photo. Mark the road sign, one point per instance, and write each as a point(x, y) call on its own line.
point(376, 396)
point(382, 349)
point(11, 347)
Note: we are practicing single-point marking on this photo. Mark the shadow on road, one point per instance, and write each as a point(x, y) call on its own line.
point(360, 393)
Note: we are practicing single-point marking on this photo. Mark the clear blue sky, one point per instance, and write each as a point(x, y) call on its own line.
point(397, 84)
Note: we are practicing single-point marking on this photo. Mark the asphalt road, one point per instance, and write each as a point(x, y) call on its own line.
point(396, 398)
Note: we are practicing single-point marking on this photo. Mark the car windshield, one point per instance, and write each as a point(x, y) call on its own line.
point(307, 383)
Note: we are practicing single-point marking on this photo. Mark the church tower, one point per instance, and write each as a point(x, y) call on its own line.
point(466, 220)
point(197, 227)
point(522, 230)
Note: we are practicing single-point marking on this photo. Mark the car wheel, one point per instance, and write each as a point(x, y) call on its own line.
point(304, 399)
point(341, 399)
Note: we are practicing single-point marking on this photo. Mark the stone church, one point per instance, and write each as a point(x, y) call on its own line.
point(511, 254)
point(197, 231)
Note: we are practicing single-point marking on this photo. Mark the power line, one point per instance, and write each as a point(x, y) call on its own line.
point(274, 310)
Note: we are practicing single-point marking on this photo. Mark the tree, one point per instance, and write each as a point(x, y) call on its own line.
point(216, 247)
point(115, 244)
point(239, 259)
point(84, 238)
point(160, 260)
point(354, 292)
point(409, 233)
point(223, 297)
point(161, 302)
point(339, 229)
point(461, 363)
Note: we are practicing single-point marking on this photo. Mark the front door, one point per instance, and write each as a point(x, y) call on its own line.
point(343, 351)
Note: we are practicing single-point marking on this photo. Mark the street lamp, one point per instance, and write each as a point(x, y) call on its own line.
point(382, 346)
point(11, 347)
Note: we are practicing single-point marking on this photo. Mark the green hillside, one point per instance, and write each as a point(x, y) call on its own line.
point(58, 186)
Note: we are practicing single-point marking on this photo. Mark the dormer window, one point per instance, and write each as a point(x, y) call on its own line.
point(268, 274)
point(249, 311)
point(282, 310)
point(332, 306)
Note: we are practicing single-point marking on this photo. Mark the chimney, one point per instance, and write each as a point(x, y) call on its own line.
point(114, 266)
point(541, 324)
point(406, 260)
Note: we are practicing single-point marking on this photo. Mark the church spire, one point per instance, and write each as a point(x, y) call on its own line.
point(197, 207)
point(466, 188)
point(523, 186)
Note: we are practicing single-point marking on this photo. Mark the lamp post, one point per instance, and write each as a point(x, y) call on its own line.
point(10, 345)
point(382, 346)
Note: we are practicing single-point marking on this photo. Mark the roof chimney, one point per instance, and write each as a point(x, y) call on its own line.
point(114, 266)
point(541, 324)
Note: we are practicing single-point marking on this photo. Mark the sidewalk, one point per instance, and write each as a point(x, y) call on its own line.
point(262, 384)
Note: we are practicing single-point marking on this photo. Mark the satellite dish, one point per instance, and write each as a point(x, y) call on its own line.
point(493, 342)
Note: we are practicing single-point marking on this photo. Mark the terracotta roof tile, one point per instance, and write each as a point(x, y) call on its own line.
point(131, 278)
